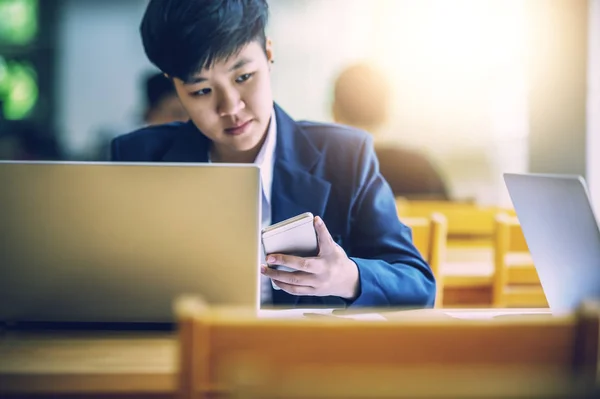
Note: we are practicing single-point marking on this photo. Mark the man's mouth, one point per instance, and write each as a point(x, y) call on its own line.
point(240, 128)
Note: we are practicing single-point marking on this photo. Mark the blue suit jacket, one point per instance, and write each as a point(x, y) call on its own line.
point(331, 171)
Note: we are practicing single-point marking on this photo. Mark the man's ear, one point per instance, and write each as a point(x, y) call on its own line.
point(169, 77)
point(269, 50)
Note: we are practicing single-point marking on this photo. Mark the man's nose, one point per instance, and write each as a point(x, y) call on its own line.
point(230, 103)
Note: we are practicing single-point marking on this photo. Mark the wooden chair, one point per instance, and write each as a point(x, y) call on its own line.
point(232, 353)
point(429, 236)
point(467, 268)
point(515, 283)
point(469, 224)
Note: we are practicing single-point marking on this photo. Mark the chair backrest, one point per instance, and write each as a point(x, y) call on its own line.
point(510, 228)
point(232, 353)
point(468, 223)
point(421, 233)
point(515, 281)
point(429, 236)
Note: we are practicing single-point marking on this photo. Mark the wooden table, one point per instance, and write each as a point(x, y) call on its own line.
point(126, 365)
point(92, 364)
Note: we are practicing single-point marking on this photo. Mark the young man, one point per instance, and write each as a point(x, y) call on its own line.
point(219, 59)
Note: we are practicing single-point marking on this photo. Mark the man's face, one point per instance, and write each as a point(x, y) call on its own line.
point(231, 103)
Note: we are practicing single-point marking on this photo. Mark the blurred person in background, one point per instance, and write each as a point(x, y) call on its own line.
point(162, 103)
point(219, 59)
point(362, 98)
point(161, 106)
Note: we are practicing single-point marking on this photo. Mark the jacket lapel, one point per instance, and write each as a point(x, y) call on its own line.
point(296, 189)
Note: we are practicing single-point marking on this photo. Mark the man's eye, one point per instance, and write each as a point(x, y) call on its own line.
point(244, 77)
point(201, 92)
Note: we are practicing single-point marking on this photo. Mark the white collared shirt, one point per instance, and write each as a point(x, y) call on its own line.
point(265, 160)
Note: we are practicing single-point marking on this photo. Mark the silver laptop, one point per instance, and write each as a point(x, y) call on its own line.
point(106, 242)
point(562, 234)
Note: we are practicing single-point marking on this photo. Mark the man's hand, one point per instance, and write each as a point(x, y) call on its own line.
point(331, 272)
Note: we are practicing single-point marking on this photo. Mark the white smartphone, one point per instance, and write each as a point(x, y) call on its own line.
point(295, 236)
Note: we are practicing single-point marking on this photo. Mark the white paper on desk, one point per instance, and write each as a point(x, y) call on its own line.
point(479, 315)
point(302, 314)
point(289, 313)
point(363, 316)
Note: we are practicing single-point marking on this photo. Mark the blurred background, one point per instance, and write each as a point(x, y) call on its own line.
point(479, 87)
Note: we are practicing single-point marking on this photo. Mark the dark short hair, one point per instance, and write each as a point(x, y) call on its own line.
point(181, 37)
point(158, 87)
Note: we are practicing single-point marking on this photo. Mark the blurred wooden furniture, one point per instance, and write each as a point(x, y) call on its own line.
point(468, 270)
point(468, 277)
point(88, 364)
point(465, 270)
point(429, 236)
point(469, 224)
point(516, 283)
point(232, 353)
point(430, 349)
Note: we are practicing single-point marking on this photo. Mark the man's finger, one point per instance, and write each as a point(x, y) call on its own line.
point(326, 243)
point(295, 289)
point(307, 265)
point(291, 278)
